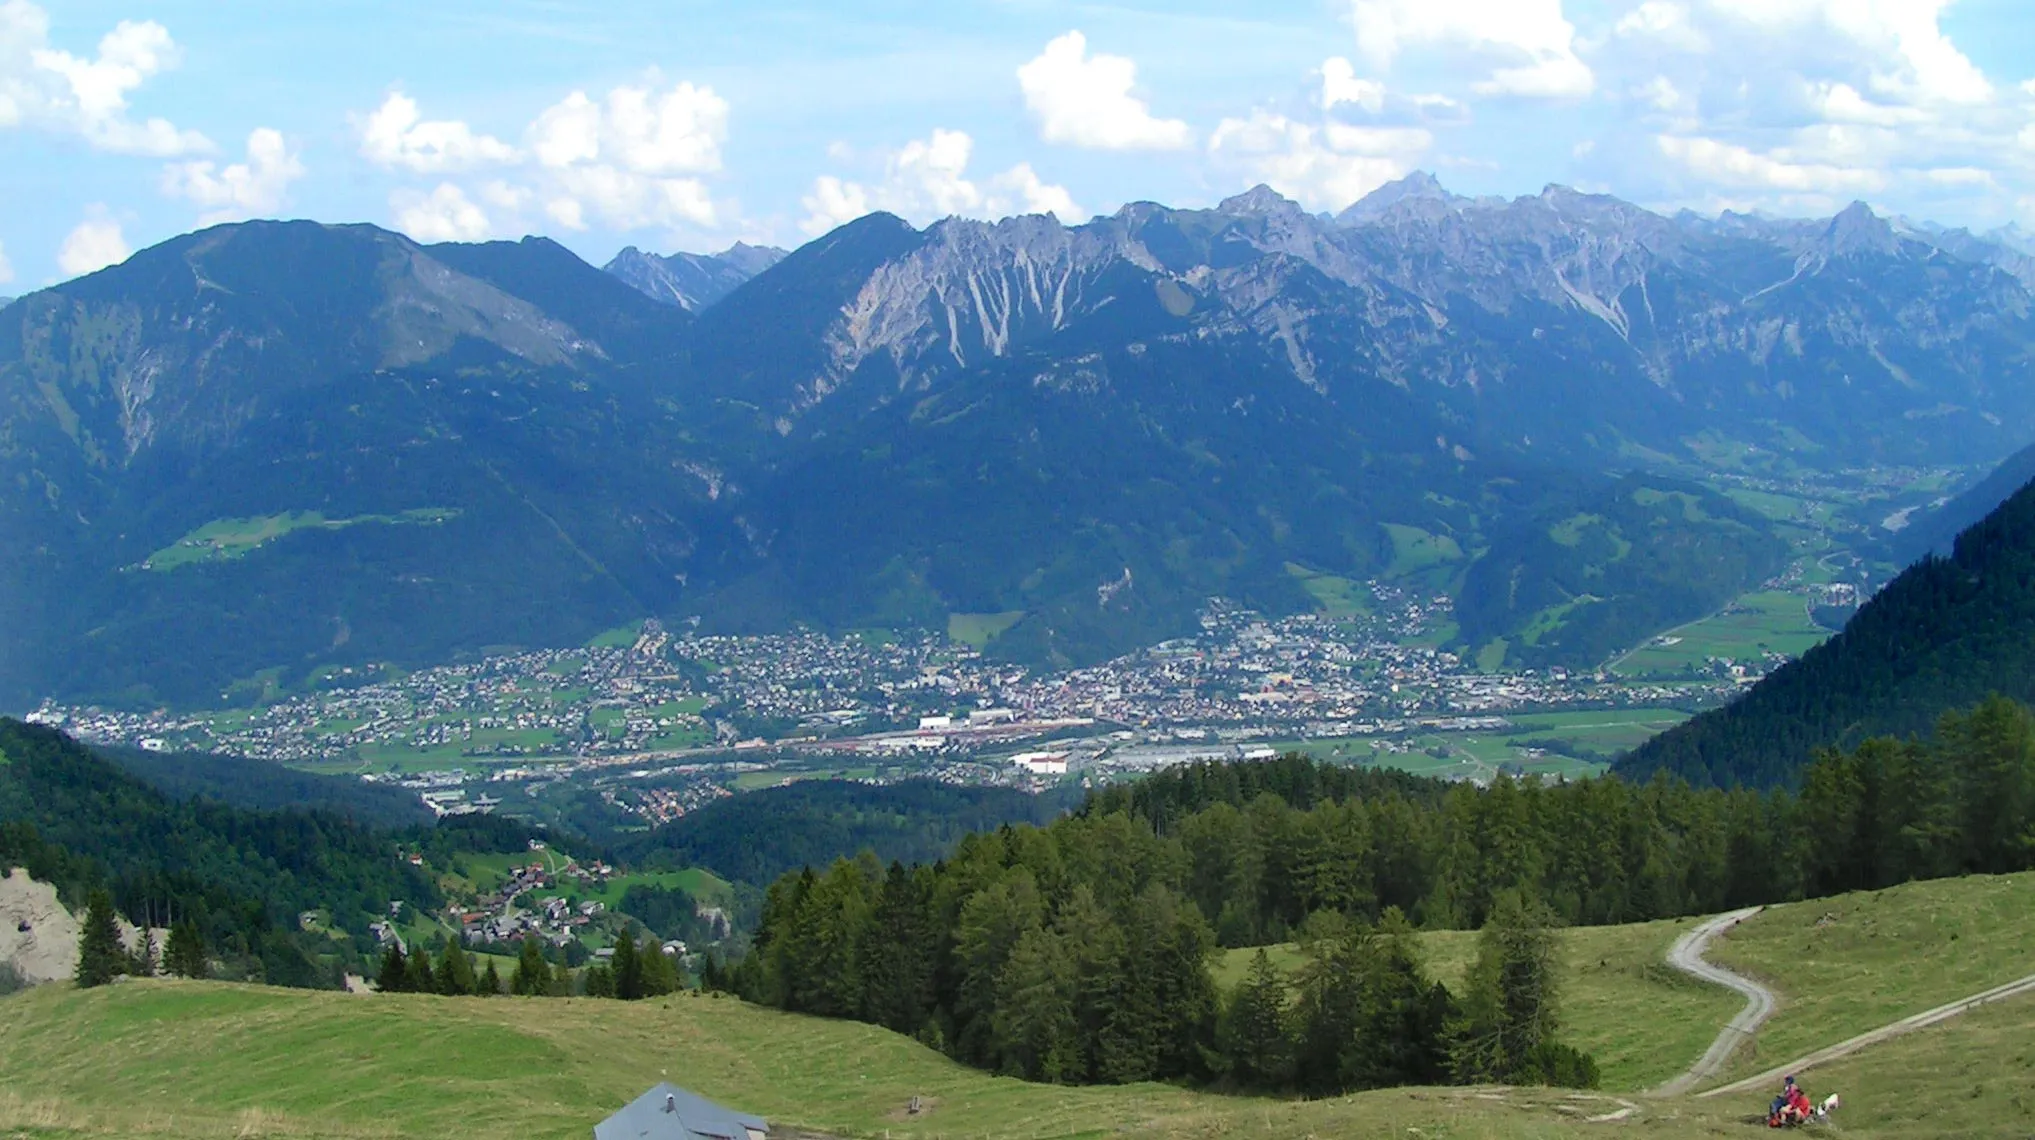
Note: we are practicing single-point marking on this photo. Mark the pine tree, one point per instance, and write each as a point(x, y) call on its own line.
point(599, 981)
point(1036, 1033)
point(417, 977)
point(101, 958)
point(186, 955)
point(1255, 1034)
point(533, 976)
point(895, 959)
point(455, 971)
point(394, 977)
point(1511, 1008)
point(490, 981)
point(628, 971)
point(660, 973)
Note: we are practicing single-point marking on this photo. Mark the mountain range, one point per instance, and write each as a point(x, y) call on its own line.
point(268, 450)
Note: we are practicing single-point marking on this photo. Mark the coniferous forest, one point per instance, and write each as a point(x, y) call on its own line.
point(1080, 951)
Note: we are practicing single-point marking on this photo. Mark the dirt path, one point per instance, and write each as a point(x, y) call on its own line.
point(1852, 1045)
point(1686, 955)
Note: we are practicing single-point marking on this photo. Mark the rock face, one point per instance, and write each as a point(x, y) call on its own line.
point(692, 281)
point(1101, 425)
point(38, 937)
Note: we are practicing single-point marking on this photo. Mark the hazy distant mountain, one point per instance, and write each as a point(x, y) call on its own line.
point(1934, 530)
point(692, 281)
point(1098, 427)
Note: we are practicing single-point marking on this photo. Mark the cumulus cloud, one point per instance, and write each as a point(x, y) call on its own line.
point(629, 160)
point(1664, 21)
point(1737, 165)
point(621, 159)
point(95, 244)
point(1530, 42)
point(927, 179)
point(397, 135)
point(1086, 100)
point(1340, 84)
point(1325, 165)
point(1917, 60)
point(443, 214)
point(260, 185)
point(56, 90)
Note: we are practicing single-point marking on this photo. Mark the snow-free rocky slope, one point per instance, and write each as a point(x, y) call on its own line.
point(1100, 426)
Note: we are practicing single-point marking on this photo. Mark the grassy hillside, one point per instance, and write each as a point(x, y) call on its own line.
point(198, 1059)
point(1849, 964)
point(185, 1059)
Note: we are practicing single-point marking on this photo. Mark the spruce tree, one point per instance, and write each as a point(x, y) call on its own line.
point(186, 955)
point(628, 971)
point(417, 977)
point(1036, 1032)
point(490, 981)
point(1511, 1008)
point(1256, 1034)
point(455, 971)
point(101, 958)
point(533, 975)
point(394, 977)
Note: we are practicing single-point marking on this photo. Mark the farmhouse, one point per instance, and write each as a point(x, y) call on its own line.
point(667, 1112)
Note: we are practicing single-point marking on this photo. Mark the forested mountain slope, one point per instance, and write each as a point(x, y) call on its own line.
point(266, 449)
point(1944, 634)
point(244, 877)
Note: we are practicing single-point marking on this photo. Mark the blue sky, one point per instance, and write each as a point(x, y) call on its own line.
point(689, 125)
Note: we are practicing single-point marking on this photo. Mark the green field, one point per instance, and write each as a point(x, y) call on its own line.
point(187, 1059)
point(1755, 624)
point(699, 883)
point(1415, 550)
point(1464, 755)
point(620, 637)
point(978, 630)
point(1334, 597)
point(223, 539)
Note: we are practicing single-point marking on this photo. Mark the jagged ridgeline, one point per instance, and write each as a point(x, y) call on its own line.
point(266, 449)
point(1944, 634)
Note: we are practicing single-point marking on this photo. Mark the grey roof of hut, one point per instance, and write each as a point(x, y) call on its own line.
point(668, 1112)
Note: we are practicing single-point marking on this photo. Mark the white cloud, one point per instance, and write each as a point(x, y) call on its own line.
point(444, 214)
point(1741, 166)
point(1842, 103)
point(1919, 62)
point(627, 160)
point(1084, 100)
point(243, 190)
point(397, 135)
point(6, 267)
point(1532, 43)
point(833, 202)
point(1340, 84)
point(1323, 166)
point(679, 131)
point(1661, 94)
point(630, 201)
point(1664, 21)
point(56, 90)
point(95, 244)
point(927, 179)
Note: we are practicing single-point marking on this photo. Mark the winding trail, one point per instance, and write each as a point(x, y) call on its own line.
point(1686, 955)
point(1852, 1045)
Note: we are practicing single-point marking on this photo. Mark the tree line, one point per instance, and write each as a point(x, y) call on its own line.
point(636, 970)
point(1081, 951)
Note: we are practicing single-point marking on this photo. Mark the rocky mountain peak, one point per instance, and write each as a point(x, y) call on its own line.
point(1856, 229)
point(1259, 200)
point(1417, 187)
